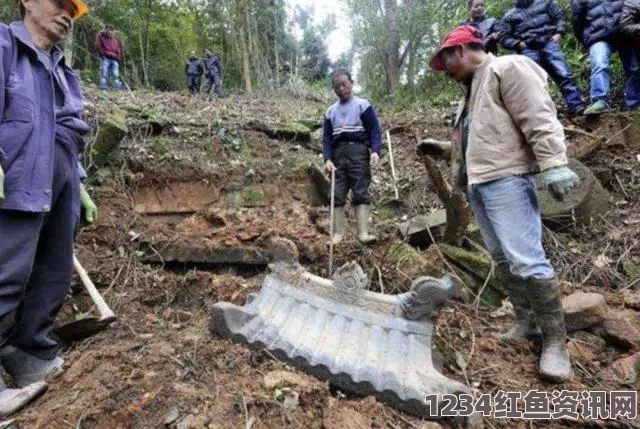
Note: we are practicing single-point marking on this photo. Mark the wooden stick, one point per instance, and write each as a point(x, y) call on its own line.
point(105, 312)
point(393, 168)
point(332, 215)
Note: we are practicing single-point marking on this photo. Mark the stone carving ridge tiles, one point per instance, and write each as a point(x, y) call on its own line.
point(359, 350)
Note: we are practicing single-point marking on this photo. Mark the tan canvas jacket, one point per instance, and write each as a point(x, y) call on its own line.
point(513, 125)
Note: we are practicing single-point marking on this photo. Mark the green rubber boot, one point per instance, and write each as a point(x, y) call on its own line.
point(555, 362)
point(362, 221)
point(338, 225)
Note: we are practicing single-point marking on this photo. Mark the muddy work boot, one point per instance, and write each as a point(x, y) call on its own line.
point(362, 221)
point(13, 400)
point(555, 362)
point(338, 225)
point(25, 368)
point(526, 327)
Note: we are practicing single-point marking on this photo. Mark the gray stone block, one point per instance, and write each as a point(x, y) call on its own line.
point(363, 342)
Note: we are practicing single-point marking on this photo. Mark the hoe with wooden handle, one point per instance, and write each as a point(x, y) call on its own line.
point(88, 326)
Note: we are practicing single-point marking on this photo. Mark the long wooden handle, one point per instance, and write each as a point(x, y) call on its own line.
point(105, 312)
point(332, 214)
point(393, 168)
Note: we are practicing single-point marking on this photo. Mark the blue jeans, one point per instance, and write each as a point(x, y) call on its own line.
point(600, 57)
point(552, 60)
point(508, 215)
point(109, 67)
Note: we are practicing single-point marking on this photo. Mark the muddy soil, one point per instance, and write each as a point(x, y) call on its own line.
point(204, 183)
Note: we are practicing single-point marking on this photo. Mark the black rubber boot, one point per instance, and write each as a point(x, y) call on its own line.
point(555, 362)
point(526, 326)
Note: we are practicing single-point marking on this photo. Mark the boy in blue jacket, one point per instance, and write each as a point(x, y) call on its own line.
point(351, 145)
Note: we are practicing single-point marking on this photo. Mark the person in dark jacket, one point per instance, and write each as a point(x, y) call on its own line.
point(630, 22)
point(212, 73)
point(108, 48)
point(597, 27)
point(193, 69)
point(534, 28)
point(486, 25)
point(41, 194)
point(351, 144)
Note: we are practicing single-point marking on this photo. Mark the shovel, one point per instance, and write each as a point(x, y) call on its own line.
point(88, 326)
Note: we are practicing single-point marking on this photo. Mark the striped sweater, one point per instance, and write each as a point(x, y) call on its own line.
point(354, 120)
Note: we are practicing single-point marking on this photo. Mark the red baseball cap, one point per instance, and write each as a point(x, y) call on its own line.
point(462, 35)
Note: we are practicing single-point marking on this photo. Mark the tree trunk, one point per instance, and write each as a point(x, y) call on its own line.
point(243, 28)
point(393, 46)
point(68, 48)
point(143, 62)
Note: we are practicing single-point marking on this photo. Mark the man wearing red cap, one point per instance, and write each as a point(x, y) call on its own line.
point(506, 130)
point(41, 139)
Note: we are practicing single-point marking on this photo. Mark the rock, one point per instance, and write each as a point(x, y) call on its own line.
point(281, 249)
point(430, 425)
point(171, 416)
point(628, 369)
point(111, 131)
point(631, 299)
point(583, 310)
point(186, 423)
point(587, 201)
point(278, 379)
point(336, 416)
point(416, 230)
point(621, 329)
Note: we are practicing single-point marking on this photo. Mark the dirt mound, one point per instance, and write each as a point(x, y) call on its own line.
point(187, 206)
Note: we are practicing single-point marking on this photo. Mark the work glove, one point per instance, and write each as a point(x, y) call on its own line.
point(329, 167)
point(90, 209)
point(375, 159)
point(1, 184)
point(559, 180)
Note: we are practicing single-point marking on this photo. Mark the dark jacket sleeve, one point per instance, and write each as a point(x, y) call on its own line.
point(630, 18)
point(372, 128)
point(507, 37)
point(578, 8)
point(327, 139)
point(557, 17)
point(200, 69)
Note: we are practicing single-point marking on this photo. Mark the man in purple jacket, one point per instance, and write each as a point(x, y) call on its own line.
point(108, 48)
point(41, 139)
